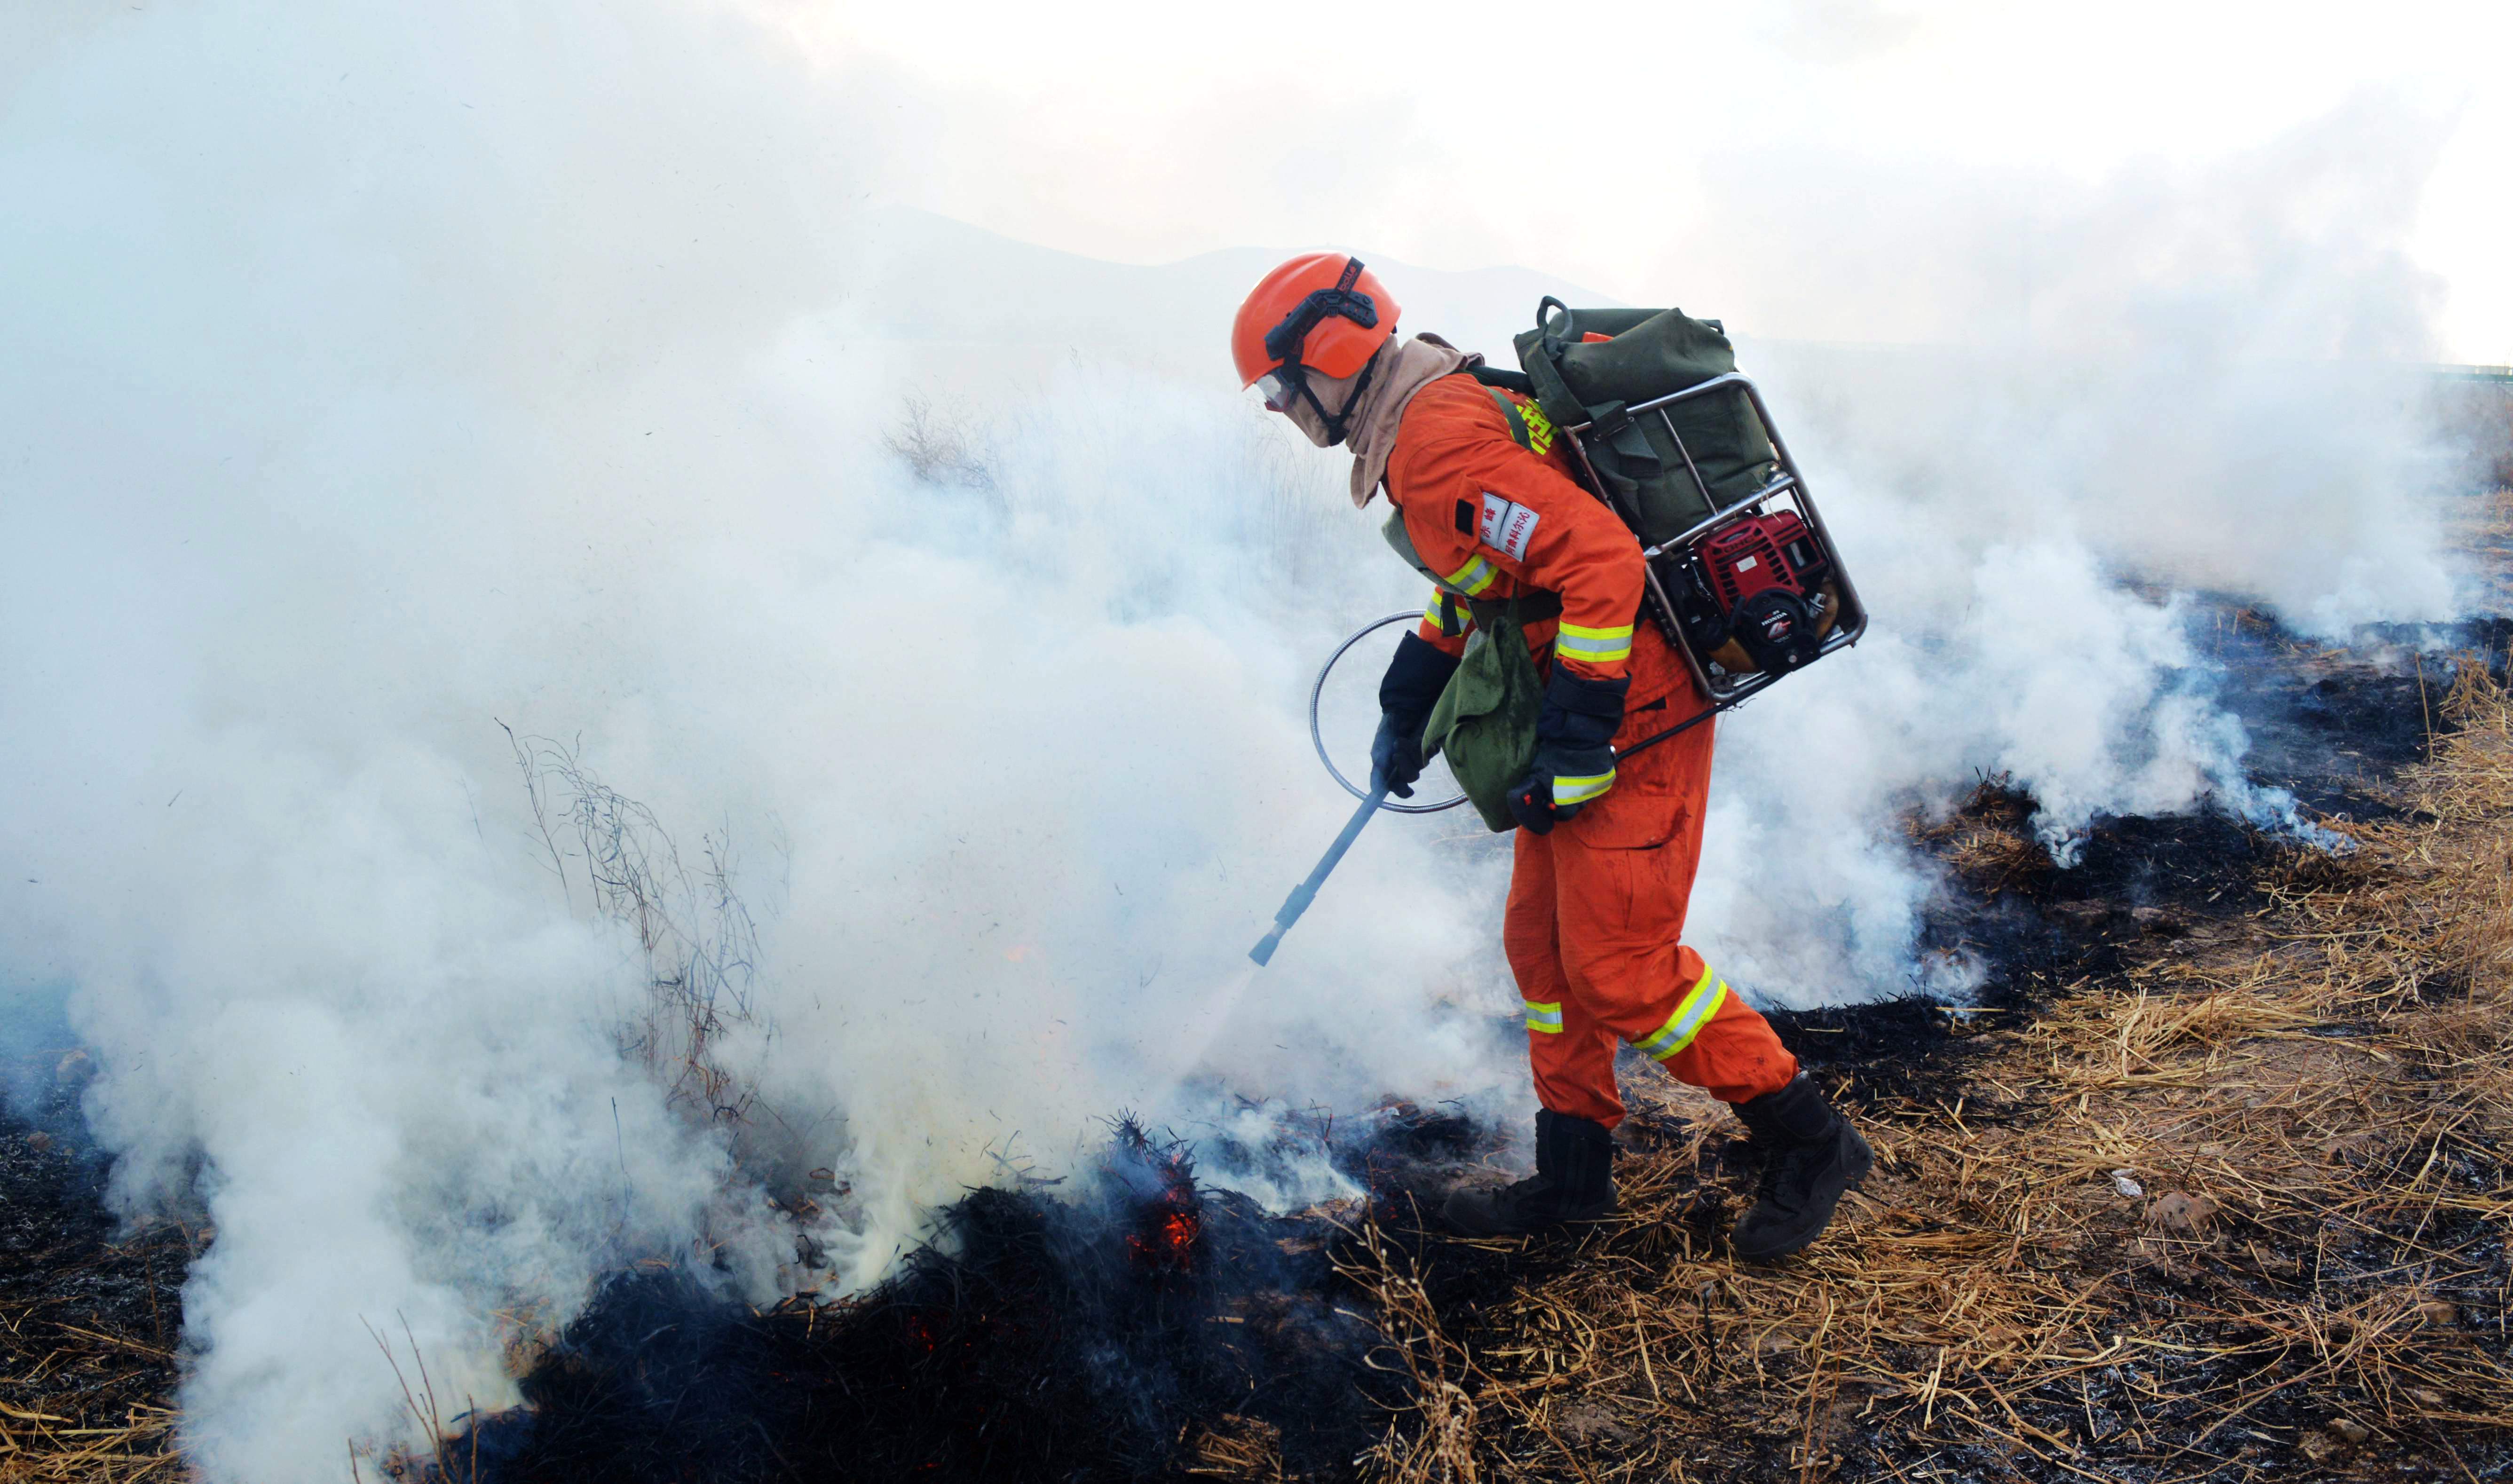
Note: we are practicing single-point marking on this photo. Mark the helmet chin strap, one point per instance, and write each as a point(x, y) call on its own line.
point(1334, 421)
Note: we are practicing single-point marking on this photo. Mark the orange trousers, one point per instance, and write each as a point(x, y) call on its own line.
point(1596, 909)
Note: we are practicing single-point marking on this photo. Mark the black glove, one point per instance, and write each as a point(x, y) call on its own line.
point(1408, 693)
point(1574, 759)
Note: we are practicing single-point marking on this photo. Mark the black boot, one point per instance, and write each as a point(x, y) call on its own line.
point(1573, 1182)
point(1811, 1157)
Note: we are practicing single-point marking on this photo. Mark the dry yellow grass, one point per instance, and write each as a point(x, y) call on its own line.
point(51, 1448)
point(2291, 1099)
point(85, 1372)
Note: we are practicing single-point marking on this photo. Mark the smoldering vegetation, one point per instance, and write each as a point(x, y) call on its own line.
point(2272, 1046)
point(1121, 1323)
point(2202, 1181)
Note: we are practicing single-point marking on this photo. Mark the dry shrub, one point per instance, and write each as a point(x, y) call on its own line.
point(941, 448)
point(701, 944)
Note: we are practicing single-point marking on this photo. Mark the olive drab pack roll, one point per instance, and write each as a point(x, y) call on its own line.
point(1742, 576)
point(1593, 366)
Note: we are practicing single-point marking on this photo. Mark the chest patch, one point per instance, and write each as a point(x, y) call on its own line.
point(1506, 526)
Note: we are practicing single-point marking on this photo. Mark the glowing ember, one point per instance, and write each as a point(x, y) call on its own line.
point(1166, 1230)
point(1166, 1242)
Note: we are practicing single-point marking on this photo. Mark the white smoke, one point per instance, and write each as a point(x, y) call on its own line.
point(2212, 388)
point(393, 375)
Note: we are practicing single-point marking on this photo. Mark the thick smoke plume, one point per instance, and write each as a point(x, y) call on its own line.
point(400, 389)
point(2210, 382)
point(396, 377)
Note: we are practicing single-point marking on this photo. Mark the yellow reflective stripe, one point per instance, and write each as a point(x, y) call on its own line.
point(1539, 428)
point(1472, 578)
point(1694, 1012)
point(1596, 646)
point(1431, 616)
point(1580, 790)
point(1544, 1017)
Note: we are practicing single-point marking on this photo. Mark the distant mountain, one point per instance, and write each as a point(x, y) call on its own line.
point(958, 301)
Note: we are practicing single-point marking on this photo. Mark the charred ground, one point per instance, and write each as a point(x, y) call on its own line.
point(2275, 1045)
point(89, 1316)
point(2208, 1183)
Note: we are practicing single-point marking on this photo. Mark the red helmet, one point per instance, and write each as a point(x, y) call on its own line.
point(1322, 311)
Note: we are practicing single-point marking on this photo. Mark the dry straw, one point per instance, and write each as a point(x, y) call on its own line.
point(2308, 1103)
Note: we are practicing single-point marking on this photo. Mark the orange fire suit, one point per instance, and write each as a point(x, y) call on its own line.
point(1596, 907)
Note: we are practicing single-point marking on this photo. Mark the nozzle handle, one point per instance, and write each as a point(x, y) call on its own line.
point(1308, 891)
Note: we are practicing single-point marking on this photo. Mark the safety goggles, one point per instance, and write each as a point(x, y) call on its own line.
point(1284, 342)
point(1278, 388)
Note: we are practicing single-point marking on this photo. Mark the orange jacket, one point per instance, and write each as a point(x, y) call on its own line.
point(1493, 520)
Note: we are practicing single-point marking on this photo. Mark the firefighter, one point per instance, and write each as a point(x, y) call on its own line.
point(1605, 854)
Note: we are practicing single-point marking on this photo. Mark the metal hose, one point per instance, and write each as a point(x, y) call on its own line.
point(1317, 734)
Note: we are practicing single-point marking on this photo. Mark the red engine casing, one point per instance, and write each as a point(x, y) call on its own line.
point(1759, 555)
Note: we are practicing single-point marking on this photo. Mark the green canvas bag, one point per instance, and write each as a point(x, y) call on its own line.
point(1648, 353)
point(1486, 718)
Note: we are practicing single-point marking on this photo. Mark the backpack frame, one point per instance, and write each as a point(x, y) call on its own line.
point(1673, 390)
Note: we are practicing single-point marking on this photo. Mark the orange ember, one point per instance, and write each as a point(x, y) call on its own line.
point(1167, 1238)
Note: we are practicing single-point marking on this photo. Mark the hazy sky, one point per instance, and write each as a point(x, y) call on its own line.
point(1663, 151)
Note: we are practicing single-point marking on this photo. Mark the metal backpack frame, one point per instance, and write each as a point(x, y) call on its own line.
point(1724, 689)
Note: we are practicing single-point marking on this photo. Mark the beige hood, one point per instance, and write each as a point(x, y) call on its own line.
point(1370, 431)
